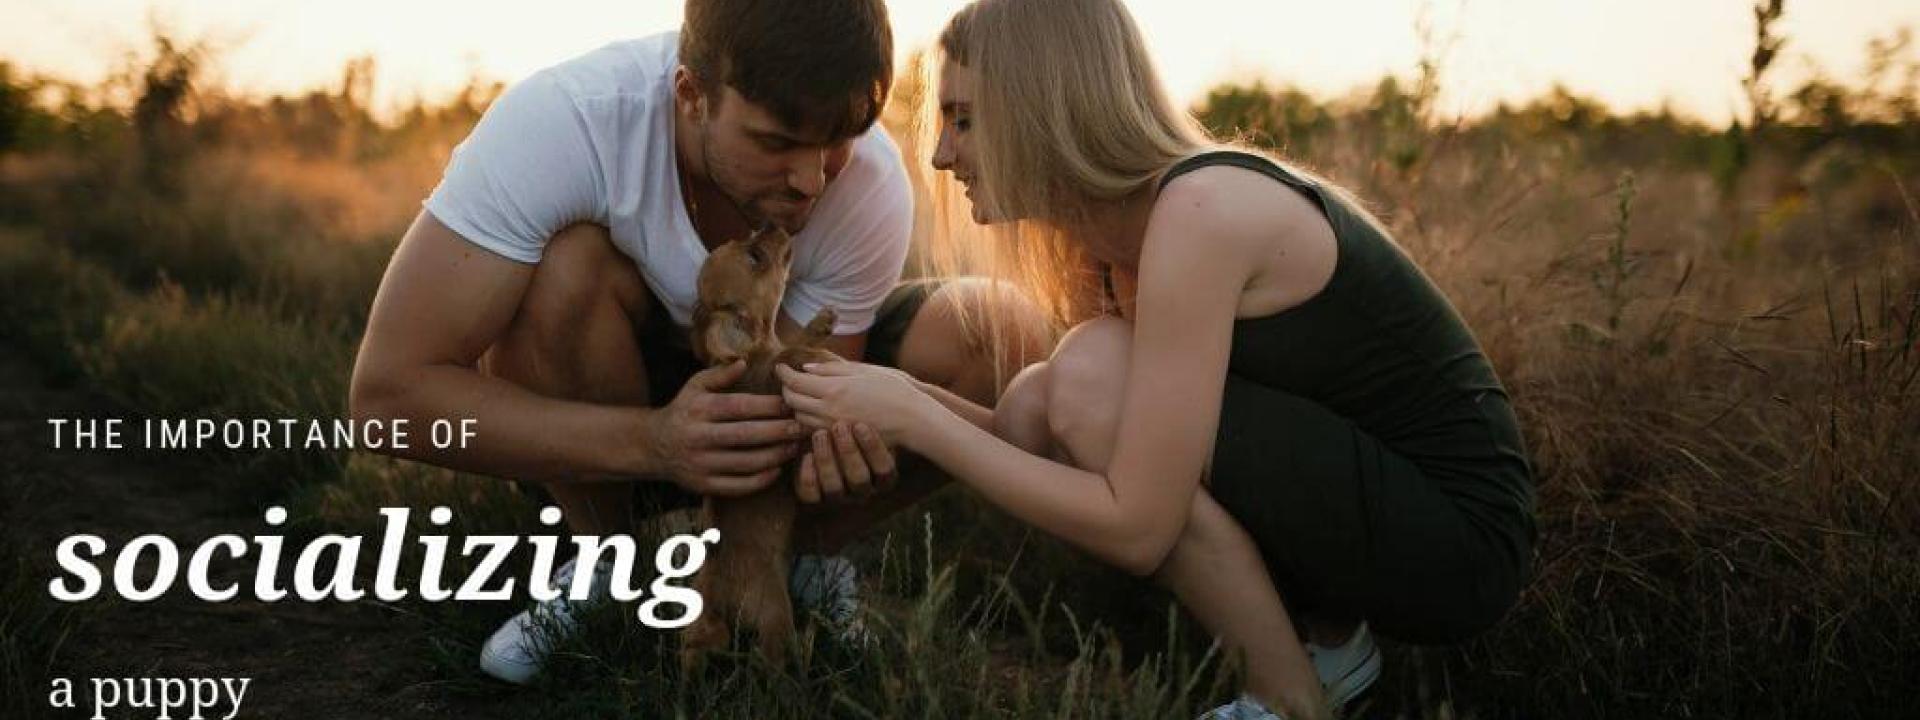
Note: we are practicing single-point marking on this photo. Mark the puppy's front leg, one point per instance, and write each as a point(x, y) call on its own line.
point(818, 329)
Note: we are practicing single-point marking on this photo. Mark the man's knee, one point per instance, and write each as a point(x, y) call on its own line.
point(1086, 378)
point(947, 342)
point(580, 269)
point(576, 327)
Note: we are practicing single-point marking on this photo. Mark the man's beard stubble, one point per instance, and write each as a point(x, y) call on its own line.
point(755, 219)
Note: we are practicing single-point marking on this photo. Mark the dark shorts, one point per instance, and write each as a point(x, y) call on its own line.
point(670, 363)
point(1349, 527)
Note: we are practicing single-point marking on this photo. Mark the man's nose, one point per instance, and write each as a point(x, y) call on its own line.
point(808, 176)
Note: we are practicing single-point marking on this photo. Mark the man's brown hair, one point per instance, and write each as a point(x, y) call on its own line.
point(818, 65)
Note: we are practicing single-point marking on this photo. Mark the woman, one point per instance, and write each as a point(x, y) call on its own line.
point(1266, 400)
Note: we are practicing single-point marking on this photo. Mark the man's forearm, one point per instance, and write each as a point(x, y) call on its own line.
point(519, 434)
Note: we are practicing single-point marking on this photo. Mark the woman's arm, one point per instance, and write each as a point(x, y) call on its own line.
point(975, 415)
point(1196, 259)
point(1131, 515)
point(978, 416)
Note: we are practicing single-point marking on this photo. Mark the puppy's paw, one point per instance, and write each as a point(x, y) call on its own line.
point(821, 326)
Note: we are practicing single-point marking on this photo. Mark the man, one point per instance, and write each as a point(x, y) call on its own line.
point(546, 287)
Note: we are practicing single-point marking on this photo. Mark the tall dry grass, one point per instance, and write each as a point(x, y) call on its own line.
point(1710, 336)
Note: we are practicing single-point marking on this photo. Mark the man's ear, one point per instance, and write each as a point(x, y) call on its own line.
point(688, 98)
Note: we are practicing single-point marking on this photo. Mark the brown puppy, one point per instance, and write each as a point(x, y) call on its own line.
point(745, 580)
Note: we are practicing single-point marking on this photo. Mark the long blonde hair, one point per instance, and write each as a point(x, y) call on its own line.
point(1070, 117)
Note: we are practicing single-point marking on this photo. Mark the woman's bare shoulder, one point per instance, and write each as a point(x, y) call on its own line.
point(1282, 233)
point(1237, 200)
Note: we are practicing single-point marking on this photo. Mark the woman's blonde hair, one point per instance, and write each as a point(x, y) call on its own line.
point(1069, 118)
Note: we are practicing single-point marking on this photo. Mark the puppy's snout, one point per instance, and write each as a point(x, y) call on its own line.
point(768, 258)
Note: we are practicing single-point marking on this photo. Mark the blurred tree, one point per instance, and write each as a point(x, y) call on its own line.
point(1735, 154)
point(1400, 114)
point(16, 101)
point(1822, 103)
point(1280, 118)
point(1766, 48)
point(160, 115)
point(1891, 87)
point(25, 123)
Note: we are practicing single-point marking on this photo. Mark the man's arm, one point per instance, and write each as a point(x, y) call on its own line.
point(444, 301)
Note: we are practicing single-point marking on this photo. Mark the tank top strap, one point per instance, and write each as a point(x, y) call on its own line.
point(1240, 159)
point(1237, 158)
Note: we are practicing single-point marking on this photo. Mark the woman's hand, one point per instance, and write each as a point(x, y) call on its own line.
point(848, 392)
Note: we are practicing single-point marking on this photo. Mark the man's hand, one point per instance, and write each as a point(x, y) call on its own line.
point(845, 461)
point(717, 443)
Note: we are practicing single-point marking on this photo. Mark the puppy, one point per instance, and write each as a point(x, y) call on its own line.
point(745, 580)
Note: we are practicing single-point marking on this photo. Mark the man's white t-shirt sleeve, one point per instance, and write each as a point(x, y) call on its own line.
point(863, 263)
point(527, 170)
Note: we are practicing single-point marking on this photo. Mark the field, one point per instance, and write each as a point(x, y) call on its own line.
point(1712, 335)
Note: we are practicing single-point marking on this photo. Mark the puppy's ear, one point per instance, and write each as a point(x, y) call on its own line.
point(719, 337)
point(722, 340)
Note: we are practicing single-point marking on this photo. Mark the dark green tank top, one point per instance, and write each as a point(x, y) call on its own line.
point(1381, 346)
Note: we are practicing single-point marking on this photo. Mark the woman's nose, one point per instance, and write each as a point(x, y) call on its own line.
point(943, 151)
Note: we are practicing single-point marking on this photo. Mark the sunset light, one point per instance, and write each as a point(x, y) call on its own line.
point(1634, 54)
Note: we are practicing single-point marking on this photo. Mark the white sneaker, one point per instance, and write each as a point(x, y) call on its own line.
point(1242, 708)
point(518, 650)
point(829, 585)
point(1347, 670)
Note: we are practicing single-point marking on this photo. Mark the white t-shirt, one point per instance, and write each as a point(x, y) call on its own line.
point(591, 140)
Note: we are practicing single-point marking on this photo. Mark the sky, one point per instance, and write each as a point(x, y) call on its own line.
point(1633, 54)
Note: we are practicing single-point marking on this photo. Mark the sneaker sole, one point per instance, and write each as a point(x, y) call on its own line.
point(506, 670)
point(1356, 680)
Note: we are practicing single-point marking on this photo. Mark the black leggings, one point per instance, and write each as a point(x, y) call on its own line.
point(1350, 528)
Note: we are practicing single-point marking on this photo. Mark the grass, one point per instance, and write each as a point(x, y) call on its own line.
point(1723, 433)
point(934, 651)
point(33, 633)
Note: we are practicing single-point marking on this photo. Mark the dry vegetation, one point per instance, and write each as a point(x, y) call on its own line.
point(1710, 334)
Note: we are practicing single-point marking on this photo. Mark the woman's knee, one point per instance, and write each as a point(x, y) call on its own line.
point(1085, 382)
point(1020, 418)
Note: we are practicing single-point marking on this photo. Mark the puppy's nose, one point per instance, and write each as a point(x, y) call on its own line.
point(773, 237)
